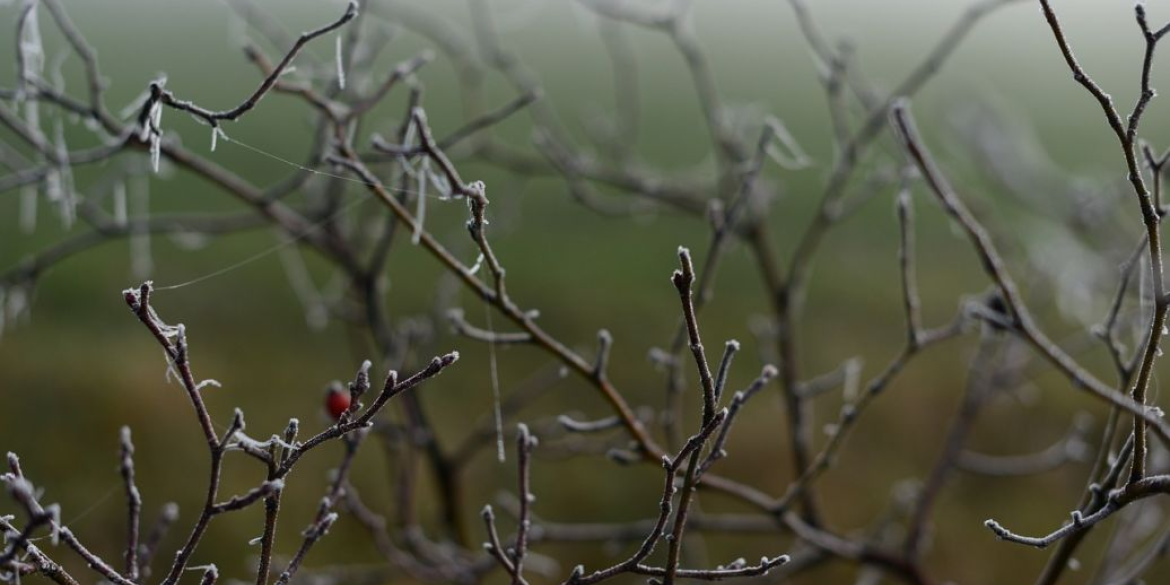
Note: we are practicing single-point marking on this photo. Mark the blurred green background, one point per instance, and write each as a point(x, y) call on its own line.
point(81, 366)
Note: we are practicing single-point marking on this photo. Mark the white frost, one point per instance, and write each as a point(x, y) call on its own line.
point(28, 209)
point(340, 65)
point(420, 213)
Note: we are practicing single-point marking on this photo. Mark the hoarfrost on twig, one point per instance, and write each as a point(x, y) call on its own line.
point(31, 49)
point(56, 72)
point(16, 307)
point(420, 213)
point(783, 148)
point(242, 441)
point(28, 209)
point(151, 131)
point(478, 264)
point(134, 105)
point(208, 382)
point(54, 512)
point(68, 197)
point(156, 141)
point(340, 65)
point(439, 183)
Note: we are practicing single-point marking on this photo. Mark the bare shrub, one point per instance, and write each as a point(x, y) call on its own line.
point(364, 192)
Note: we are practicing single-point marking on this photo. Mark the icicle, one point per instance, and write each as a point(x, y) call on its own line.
point(420, 213)
point(32, 118)
point(216, 134)
point(1140, 317)
point(408, 138)
point(440, 183)
point(852, 381)
point(17, 305)
point(141, 263)
point(69, 201)
point(68, 197)
point(478, 264)
point(340, 66)
point(54, 512)
point(135, 105)
point(154, 134)
point(33, 54)
point(28, 209)
point(795, 157)
point(56, 74)
point(152, 124)
point(316, 316)
point(32, 51)
point(120, 204)
point(53, 185)
point(501, 452)
point(155, 151)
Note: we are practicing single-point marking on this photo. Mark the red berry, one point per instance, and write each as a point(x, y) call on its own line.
point(336, 402)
